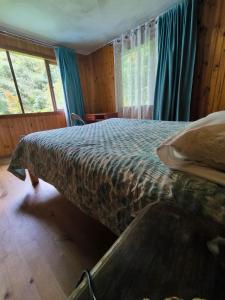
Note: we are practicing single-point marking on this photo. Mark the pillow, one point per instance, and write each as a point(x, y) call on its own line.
point(198, 149)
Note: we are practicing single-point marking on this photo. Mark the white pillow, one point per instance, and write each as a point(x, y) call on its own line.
point(198, 149)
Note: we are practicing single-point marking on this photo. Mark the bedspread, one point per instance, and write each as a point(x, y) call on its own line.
point(110, 170)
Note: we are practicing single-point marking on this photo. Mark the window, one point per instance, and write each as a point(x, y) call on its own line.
point(136, 65)
point(57, 86)
point(9, 102)
point(135, 71)
point(28, 84)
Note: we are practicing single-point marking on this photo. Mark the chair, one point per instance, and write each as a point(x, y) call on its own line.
point(74, 117)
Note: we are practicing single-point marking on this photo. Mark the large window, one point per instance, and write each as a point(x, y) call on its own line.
point(135, 71)
point(138, 65)
point(28, 84)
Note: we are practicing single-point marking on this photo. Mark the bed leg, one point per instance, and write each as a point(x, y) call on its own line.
point(33, 178)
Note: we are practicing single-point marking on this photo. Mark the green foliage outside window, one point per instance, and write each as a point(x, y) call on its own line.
point(33, 84)
point(9, 102)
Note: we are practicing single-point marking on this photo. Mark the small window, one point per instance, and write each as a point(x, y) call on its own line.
point(28, 84)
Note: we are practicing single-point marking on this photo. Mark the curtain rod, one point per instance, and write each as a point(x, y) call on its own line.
point(154, 19)
point(143, 24)
point(26, 38)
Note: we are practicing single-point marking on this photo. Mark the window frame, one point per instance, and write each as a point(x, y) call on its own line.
point(47, 63)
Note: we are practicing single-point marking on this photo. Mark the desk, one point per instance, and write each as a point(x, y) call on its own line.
point(91, 118)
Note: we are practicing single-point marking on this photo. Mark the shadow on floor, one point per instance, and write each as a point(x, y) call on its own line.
point(68, 221)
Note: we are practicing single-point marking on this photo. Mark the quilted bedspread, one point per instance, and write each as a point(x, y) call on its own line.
point(110, 170)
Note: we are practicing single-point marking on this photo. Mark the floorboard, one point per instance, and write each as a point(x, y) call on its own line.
point(45, 241)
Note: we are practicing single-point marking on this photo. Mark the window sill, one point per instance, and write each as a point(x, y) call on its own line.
point(59, 111)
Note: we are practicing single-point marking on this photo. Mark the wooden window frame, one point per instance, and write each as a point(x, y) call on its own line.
point(15, 81)
point(50, 84)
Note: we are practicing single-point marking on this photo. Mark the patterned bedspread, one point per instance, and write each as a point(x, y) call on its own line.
point(110, 170)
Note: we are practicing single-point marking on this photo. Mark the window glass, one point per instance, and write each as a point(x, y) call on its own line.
point(130, 64)
point(32, 81)
point(9, 102)
point(57, 86)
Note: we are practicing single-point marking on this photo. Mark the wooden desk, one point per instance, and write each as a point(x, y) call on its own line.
point(91, 118)
point(163, 253)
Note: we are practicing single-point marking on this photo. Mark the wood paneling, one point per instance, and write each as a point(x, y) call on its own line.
point(97, 69)
point(17, 44)
point(103, 61)
point(86, 70)
point(97, 80)
point(209, 81)
point(13, 127)
point(96, 72)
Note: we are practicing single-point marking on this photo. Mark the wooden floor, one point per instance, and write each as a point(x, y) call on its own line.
point(45, 242)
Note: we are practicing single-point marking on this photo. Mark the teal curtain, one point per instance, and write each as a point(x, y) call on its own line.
point(177, 36)
point(67, 63)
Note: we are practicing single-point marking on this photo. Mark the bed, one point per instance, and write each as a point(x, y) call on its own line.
point(111, 172)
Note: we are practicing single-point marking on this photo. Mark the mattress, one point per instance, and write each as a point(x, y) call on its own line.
point(110, 170)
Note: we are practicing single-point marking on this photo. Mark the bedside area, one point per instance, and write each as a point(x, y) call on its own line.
point(92, 118)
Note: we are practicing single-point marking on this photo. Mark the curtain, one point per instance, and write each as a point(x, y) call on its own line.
point(66, 60)
point(135, 57)
point(177, 35)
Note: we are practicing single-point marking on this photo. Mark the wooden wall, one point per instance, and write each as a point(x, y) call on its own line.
point(103, 63)
point(209, 81)
point(16, 44)
point(13, 127)
point(97, 70)
point(86, 70)
point(97, 80)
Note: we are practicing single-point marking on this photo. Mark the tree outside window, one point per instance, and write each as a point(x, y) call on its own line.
point(28, 84)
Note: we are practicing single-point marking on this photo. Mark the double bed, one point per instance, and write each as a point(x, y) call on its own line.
point(110, 170)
